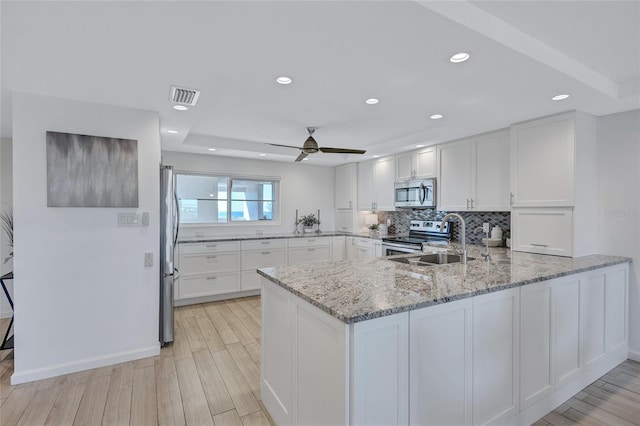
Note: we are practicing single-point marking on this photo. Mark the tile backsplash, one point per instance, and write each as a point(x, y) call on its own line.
point(400, 219)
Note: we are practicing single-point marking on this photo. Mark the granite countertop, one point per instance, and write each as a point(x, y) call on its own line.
point(247, 237)
point(354, 291)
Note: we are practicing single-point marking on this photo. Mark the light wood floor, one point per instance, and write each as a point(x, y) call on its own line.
point(210, 376)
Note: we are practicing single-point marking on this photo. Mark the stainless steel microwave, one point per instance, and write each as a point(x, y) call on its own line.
point(415, 193)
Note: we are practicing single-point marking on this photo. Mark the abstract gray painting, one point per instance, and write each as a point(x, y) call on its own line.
point(91, 171)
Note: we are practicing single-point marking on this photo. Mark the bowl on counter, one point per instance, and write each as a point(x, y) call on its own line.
point(493, 242)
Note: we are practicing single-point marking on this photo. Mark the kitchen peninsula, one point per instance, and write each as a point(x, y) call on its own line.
point(383, 342)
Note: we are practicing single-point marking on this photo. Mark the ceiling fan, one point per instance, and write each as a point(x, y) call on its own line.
point(310, 146)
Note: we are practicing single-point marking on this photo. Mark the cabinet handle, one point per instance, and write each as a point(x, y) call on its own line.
point(350, 204)
point(511, 198)
point(539, 245)
point(310, 241)
point(266, 252)
point(212, 257)
point(212, 246)
point(212, 278)
point(266, 242)
point(311, 249)
point(472, 201)
point(467, 204)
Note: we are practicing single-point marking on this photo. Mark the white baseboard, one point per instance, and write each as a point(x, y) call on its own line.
point(633, 355)
point(82, 365)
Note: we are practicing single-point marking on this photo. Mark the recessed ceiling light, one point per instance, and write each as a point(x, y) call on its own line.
point(284, 80)
point(459, 57)
point(419, 146)
point(262, 155)
point(172, 131)
point(560, 97)
point(372, 101)
point(376, 156)
point(436, 116)
point(180, 107)
point(211, 149)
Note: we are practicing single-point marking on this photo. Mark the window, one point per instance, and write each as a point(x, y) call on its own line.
point(225, 199)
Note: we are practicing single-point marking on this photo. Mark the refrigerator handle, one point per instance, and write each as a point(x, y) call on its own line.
point(177, 219)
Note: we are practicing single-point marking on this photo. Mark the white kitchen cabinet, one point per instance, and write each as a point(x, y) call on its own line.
point(554, 163)
point(377, 248)
point(364, 248)
point(543, 231)
point(346, 177)
point(474, 173)
point(376, 181)
point(537, 376)
point(338, 251)
point(350, 245)
point(440, 354)
point(496, 362)
point(566, 329)
point(416, 165)
point(309, 250)
point(209, 284)
point(260, 254)
point(592, 307)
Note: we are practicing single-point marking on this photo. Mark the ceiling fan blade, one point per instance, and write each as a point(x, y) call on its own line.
point(341, 151)
point(285, 146)
point(301, 156)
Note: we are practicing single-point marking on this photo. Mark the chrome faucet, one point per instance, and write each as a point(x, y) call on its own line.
point(487, 253)
point(463, 244)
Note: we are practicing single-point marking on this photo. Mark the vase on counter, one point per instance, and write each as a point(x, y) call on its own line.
point(507, 242)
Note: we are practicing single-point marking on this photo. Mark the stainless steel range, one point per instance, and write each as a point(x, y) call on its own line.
point(420, 231)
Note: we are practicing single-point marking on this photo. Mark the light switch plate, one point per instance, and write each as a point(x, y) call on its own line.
point(145, 219)
point(148, 260)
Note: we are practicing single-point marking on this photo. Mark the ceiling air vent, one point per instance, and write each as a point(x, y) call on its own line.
point(183, 96)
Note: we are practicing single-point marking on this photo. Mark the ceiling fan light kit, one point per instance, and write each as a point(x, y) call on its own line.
point(310, 146)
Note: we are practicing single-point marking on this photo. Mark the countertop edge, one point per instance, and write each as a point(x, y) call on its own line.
point(385, 312)
point(223, 238)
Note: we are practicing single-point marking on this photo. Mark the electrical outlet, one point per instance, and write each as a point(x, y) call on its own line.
point(485, 227)
point(145, 219)
point(148, 260)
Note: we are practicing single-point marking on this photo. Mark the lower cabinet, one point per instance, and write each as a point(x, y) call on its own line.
point(339, 247)
point(507, 357)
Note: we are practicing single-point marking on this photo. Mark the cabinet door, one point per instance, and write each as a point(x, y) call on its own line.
point(299, 255)
point(542, 162)
point(364, 253)
point(566, 328)
point(405, 166)
point(491, 183)
point(496, 326)
point(366, 186)
point(385, 175)
point(351, 253)
point(542, 231)
point(455, 168)
point(377, 248)
point(381, 371)
point(536, 378)
point(615, 309)
point(345, 184)
point(592, 307)
point(208, 284)
point(338, 249)
point(440, 358)
point(425, 163)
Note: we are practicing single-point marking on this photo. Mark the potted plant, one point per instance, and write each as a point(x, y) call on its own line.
point(7, 225)
point(507, 238)
point(308, 221)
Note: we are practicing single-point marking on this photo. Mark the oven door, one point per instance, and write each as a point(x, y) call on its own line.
point(392, 249)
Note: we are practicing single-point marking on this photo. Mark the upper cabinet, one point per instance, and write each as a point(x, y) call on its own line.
point(346, 177)
point(375, 184)
point(474, 173)
point(543, 159)
point(416, 165)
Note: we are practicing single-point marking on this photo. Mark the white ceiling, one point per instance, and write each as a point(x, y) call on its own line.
point(339, 53)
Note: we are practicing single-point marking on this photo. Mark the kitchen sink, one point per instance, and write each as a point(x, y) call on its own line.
point(431, 259)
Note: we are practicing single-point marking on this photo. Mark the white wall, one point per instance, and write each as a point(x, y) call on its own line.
point(83, 297)
point(302, 186)
point(619, 228)
point(6, 202)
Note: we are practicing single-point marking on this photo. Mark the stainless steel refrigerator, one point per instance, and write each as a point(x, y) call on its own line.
point(169, 226)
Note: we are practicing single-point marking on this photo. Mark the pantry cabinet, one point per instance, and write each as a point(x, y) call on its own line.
point(346, 177)
point(474, 173)
point(416, 165)
point(376, 181)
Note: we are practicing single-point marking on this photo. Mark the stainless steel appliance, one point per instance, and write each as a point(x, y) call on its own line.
point(169, 226)
point(420, 231)
point(415, 193)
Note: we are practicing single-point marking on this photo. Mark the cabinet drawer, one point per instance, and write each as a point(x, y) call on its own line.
point(542, 231)
point(364, 242)
point(208, 284)
point(251, 280)
point(264, 244)
point(198, 263)
point(213, 247)
point(309, 242)
point(309, 255)
point(262, 259)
